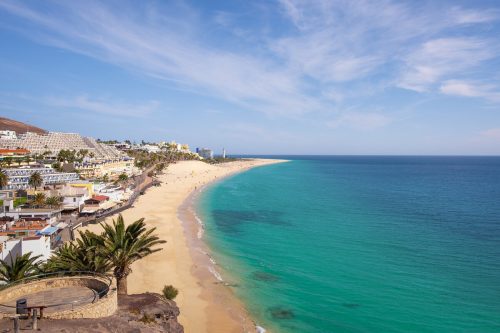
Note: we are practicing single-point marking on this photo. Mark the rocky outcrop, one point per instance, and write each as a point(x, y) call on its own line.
point(141, 313)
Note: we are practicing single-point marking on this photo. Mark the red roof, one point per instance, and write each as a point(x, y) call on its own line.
point(14, 151)
point(100, 197)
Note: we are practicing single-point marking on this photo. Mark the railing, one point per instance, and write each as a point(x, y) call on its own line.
point(91, 299)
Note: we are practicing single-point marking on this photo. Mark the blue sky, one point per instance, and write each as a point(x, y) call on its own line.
point(268, 77)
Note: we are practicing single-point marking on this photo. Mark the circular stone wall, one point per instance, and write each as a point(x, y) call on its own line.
point(92, 307)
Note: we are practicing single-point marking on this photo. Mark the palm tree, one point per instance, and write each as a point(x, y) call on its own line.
point(22, 267)
point(53, 202)
point(83, 255)
point(35, 180)
point(39, 200)
point(123, 177)
point(124, 245)
point(4, 180)
point(8, 160)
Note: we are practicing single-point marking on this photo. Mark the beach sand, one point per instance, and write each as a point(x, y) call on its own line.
point(206, 305)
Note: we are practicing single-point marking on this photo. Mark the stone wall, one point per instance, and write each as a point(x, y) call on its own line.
point(106, 306)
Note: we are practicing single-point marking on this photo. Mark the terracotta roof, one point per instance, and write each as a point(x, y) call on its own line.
point(14, 151)
point(100, 197)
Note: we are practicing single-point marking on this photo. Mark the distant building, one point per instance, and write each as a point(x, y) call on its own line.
point(14, 153)
point(18, 178)
point(223, 152)
point(8, 135)
point(112, 168)
point(205, 153)
point(53, 142)
point(150, 148)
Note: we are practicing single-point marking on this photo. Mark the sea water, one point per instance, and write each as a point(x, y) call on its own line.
point(362, 244)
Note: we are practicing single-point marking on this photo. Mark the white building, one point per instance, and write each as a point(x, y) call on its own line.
point(51, 215)
point(205, 153)
point(10, 248)
point(150, 148)
point(8, 135)
point(19, 177)
point(54, 142)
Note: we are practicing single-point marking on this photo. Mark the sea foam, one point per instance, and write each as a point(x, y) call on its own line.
point(260, 329)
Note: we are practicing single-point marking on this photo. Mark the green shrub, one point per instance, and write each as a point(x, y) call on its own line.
point(169, 292)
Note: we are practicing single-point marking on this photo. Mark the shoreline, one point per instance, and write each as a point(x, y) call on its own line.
point(206, 303)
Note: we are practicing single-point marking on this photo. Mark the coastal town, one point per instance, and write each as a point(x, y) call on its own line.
point(52, 183)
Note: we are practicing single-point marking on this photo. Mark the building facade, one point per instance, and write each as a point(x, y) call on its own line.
point(19, 177)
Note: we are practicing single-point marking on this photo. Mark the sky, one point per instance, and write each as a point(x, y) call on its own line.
point(261, 76)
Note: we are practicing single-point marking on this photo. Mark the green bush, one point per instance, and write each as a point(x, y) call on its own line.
point(169, 292)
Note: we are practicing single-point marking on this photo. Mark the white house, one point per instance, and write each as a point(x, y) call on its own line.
point(10, 248)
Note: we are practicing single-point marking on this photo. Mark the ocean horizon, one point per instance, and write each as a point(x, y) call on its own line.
point(352, 243)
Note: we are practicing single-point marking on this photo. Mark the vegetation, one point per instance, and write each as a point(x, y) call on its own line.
point(115, 249)
point(54, 202)
point(124, 245)
point(85, 254)
point(57, 166)
point(123, 177)
point(22, 267)
point(145, 160)
point(20, 201)
point(35, 180)
point(72, 156)
point(218, 160)
point(39, 200)
point(170, 292)
point(3, 179)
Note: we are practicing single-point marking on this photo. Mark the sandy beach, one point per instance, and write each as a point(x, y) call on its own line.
point(206, 305)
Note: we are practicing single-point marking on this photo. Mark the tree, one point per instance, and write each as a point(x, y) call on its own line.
point(57, 166)
point(22, 267)
point(123, 177)
point(8, 160)
point(54, 202)
point(4, 179)
point(124, 245)
point(159, 167)
point(39, 200)
point(35, 180)
point(85, 254)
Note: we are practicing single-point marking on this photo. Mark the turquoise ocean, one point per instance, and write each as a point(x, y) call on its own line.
point(361, 244)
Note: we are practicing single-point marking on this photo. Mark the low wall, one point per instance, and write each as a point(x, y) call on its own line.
point(105, 306)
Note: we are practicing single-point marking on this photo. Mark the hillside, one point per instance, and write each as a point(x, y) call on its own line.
point(18, 127)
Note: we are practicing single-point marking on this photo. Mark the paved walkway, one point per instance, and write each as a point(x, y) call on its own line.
point(77, 295)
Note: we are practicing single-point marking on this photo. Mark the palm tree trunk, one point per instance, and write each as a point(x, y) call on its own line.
point(121, 284)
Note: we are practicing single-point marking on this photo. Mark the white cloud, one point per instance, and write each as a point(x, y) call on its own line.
point(439, 58)
point(470, 89)
point(331, 43)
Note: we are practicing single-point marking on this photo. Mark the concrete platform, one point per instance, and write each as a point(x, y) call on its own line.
point(77, 295)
